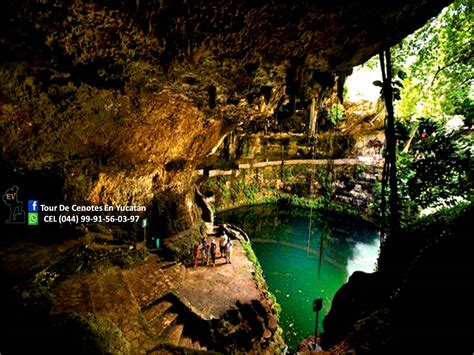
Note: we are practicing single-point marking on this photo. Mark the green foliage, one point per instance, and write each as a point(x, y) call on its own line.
point(259, 278)
point(439, 62)
point(437, 172)
point(326, 179)
point(286, 173)
point(439, 168)
point(250, 253)
point(218, 186)
point(373, 63)
point(398, 75)
point(432, 77)
point(441, 221)
point(360, 168)
point(251, 190)
point(336, 113)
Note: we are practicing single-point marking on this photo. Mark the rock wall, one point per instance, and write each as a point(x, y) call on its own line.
point(342, 161)
point(356, 187)
point(125, 99)
point(347, 181)
point(120, 102)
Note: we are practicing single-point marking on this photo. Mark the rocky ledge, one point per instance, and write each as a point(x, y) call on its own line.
point(154, 306)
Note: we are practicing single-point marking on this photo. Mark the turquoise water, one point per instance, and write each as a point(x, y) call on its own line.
point(305, 258)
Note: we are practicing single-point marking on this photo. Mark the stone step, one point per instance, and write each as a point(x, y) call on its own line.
point(155, 311)
point(162, 324)
point(153, 279)
point(174, 334)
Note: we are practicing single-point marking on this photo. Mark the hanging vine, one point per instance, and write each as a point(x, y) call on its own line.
point(390, 166)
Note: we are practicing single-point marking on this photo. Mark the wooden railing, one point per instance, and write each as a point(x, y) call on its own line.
point(368, 161)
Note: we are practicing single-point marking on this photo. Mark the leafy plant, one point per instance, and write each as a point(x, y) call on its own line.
point(251, 190)
point(326, 179)
point(398, 75)
point(432, 76)
point(440, 167)
point(336, 113)
point(438, 59)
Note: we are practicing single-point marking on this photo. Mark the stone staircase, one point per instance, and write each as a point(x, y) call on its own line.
point(165, 323)
point(160, 306)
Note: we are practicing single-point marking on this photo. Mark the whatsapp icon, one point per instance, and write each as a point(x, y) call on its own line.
point(32, 218)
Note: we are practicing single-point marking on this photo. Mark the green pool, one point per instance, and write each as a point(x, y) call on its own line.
point(305, 255)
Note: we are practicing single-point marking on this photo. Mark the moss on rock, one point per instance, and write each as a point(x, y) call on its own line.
point(181, 245)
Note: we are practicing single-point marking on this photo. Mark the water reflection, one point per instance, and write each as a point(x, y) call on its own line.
point(304, 258)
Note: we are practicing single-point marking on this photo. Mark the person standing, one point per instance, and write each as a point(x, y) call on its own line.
point(228, 251)
point(205, 252)
point(213, 252)
point(222, 243)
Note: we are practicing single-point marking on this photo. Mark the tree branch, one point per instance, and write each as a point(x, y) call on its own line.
point(460, 60)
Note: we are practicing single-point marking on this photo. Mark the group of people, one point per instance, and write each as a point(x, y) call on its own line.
point(207, 252)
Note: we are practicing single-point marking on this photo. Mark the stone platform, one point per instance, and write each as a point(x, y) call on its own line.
point(211, 291)
point(153, 303)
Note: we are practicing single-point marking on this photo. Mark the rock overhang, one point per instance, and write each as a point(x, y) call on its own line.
point(179, 75)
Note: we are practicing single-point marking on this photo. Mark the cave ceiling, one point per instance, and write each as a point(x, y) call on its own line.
point(116, 90)
point(99, 41)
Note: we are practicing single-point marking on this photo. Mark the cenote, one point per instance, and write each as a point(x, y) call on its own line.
point(305, 255)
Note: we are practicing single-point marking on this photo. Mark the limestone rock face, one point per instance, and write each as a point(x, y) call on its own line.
point(364, 122)
point(123, 100)
point(158, 152)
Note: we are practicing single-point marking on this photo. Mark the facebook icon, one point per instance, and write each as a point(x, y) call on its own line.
point(33, 206)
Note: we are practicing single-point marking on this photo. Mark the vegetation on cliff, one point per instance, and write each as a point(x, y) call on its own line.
point(433, 90)
point(436, 111)
point(438, 60)
point(427, 266)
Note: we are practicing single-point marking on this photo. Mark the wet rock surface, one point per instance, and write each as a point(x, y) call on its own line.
point(362, 295)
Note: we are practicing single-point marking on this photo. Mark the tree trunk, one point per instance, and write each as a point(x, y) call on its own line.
point(390, 156)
